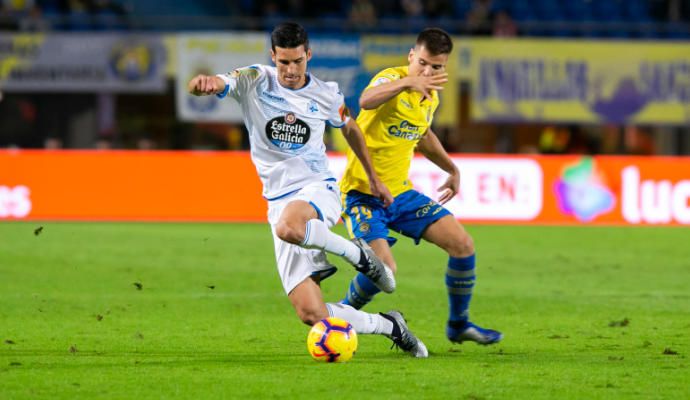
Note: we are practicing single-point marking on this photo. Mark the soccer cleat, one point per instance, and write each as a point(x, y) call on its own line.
point(373, 268)
point(403, 337)
point(473, 333)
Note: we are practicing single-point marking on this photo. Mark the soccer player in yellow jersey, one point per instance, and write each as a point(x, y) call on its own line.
point(397, 110)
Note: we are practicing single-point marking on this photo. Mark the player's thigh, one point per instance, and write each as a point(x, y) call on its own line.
point(412, 213)
point(297, 211)
point(448, 234)
point(316, 200)
point(323, 200)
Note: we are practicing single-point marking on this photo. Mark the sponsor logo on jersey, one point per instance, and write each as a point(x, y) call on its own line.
point(405, 130)
point(288, 132)
point(271, 97)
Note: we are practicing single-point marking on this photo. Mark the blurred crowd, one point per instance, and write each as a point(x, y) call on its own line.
point(70, 15)
point(589, 18)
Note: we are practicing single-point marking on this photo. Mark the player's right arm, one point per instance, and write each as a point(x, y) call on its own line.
point(385, 88)
point(203, 85)
point(234, 84)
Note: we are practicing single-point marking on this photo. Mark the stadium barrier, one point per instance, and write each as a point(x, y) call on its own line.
point(223, 186)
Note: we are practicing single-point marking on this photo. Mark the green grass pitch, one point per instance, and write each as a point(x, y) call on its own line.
point(139, 311)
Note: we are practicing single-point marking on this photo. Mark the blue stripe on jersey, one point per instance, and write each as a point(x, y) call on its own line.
point(224, 92)
point(336, 126)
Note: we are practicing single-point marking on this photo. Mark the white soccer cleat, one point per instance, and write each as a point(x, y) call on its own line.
point(374, 268)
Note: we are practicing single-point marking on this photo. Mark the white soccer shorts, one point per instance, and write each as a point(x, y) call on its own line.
point(295, 263)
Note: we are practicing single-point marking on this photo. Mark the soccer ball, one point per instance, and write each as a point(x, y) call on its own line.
point(332, 340)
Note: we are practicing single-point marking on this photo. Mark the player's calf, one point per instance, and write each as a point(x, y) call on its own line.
point(361, 291)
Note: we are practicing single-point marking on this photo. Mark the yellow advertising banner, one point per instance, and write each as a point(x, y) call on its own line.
point(518, 80)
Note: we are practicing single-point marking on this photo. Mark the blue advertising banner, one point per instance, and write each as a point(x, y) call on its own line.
point(338, 59)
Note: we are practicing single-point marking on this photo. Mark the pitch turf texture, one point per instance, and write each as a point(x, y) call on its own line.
point(105, 310)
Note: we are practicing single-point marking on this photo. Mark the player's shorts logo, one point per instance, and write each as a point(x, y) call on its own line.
point(288, 132)
point(430, 206)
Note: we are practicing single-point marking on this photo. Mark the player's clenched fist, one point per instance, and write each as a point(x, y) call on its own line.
point(205, 84)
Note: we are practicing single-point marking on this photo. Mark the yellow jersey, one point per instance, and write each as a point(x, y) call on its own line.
point(392, 132)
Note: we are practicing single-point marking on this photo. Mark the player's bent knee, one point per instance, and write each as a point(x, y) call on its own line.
point(310, 316)
point(462, 247)
point(289, 233)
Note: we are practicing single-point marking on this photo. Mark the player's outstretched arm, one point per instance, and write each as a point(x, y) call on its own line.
point(431, 148)
point(202, 85)
point(377, 95)
point(355, 139)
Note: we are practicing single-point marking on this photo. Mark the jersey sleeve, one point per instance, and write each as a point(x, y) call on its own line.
point(339, 113)
point(385, 76)
point(239, 81)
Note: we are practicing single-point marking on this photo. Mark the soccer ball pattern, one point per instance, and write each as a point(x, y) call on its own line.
point(332, 340)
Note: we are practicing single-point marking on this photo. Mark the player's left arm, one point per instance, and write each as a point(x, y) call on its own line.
point(431, 148)
point(355, 139)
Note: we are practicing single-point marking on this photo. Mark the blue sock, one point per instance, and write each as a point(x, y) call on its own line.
point(459, 282)
point(362, 290)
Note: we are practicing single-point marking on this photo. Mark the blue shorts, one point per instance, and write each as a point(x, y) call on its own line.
point(410, 214)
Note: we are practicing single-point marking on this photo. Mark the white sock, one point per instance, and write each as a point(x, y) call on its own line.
point(318, 236)
point(362, 322)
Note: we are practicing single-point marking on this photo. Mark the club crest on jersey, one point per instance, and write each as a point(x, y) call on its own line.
point(312, 107)
point(288, 132)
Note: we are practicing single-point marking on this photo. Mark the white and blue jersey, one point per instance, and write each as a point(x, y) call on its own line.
point(286, 126)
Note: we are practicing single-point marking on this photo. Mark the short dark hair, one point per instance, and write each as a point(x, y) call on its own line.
point(289, 35)
point(435, 40)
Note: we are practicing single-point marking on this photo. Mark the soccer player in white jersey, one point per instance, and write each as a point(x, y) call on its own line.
point(285, 110)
